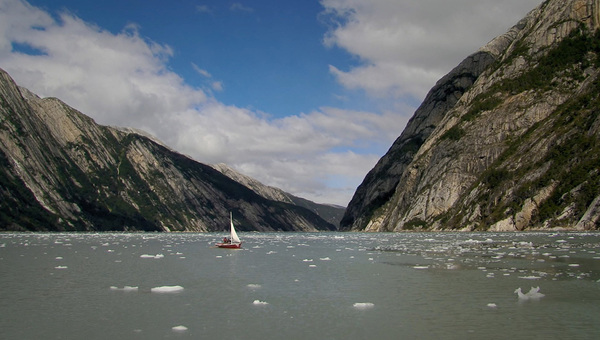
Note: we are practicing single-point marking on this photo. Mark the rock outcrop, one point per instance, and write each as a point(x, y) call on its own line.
point(508, 140)
point(60, 171)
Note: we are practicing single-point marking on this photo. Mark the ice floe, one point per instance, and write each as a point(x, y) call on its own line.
point(363, 305)
point(125, 288)
point(531, 277)
point(492, 305)
point(179, 328)
point(148, 256)
point(253, 286)
point(259, 303)
point(532, 294)
point(166, 289)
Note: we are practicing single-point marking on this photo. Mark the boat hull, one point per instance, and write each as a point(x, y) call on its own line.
point(229, 245)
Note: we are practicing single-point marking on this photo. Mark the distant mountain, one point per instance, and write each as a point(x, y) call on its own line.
point(508, 140)
point(60, 171)
point(329, 212)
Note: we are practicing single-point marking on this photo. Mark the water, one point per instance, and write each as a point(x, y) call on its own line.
point(299, 286)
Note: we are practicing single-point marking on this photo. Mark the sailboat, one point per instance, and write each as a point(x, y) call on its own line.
point(233, 242)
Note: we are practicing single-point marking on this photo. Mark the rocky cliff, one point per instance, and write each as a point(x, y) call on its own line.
point(508, 140)
point(59, 170)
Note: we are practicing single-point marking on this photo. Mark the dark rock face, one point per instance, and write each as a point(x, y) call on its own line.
point(60, 171)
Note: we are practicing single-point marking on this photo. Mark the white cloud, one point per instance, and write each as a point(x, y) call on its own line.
point(240, 7)
point(406, 46)
point(123, 79)
point(200, 71)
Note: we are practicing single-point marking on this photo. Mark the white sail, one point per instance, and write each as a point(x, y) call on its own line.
point(234, 236)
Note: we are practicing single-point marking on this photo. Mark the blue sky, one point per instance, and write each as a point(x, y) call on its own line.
point(302, 95)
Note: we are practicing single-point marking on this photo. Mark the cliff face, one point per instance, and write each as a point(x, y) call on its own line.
point(508, 140)
point(61, 171)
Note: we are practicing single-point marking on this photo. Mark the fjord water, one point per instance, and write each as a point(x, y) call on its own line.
point(299, 286)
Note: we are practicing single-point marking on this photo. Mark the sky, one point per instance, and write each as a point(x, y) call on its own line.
point(302, 95)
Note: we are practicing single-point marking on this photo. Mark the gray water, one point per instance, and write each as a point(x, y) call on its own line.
point(299, 286)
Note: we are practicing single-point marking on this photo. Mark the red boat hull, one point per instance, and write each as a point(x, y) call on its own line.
point(229, 245)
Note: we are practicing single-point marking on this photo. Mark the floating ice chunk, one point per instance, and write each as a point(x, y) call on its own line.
point(179, 328)
point(58, 258)
point(573, 265)
point(532, 294)
point(60, 267)
point(363, 305)
point(325, 259)
point(312, 265)
point(125, 288)
point(254, 286)
point(421, 267)
point(492, 305)
point(531, 277)
point(307, 260)
point(259, 303)
point(166, 289)
point(148, 256)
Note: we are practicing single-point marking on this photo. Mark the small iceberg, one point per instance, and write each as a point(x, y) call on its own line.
point(363, 305)
point(166, 289)
point(253, 286)
point(492, 305)
point(60, 267)
point(179, 328)
point(259, 303)
point(532, 294)
point(530, 277)
point(148, 256)
point(125, 288)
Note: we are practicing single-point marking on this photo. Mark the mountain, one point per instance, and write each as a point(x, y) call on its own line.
point(60, 171)
point(508, 140)
point(329, 212)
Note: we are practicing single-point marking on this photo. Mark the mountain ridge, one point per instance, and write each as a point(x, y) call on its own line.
point(63, 172)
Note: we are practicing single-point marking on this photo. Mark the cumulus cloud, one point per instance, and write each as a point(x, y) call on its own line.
point(123, 79)
point(405, 46)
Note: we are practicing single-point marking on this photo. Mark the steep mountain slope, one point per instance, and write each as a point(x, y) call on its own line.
point(330, 213)
point(61, 171)
point(508, 140)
